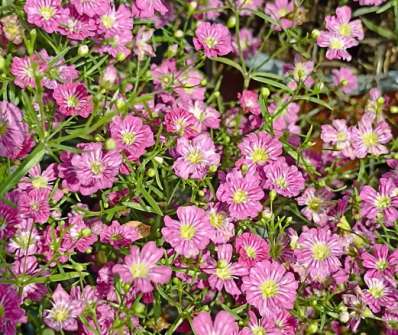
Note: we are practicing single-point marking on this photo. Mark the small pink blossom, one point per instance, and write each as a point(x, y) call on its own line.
point(340, 24)
point(73, 99)
point(345, 79)
point(148, 8)
point(214, 39)
point(34, 205)
point(251, 248)
point(46, 14)
point(119, 235)
point(143, 47)
point(224, 324)
point(12, 313)
point(279, 10)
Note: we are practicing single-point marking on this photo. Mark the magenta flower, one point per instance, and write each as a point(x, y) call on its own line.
point(73, 99)
point(249, 43)
point(8, 220)
point(64, 312)
point(319, 251)
point(143, 47)
point(224, 324)
point(181, 122)
point(270, 288)
point(116, 22)
point(10, 306)
point(214, 39)
point(34, 205)
point(259, 326)
point(118, 235)
point(251, 248)
point(284, 179)
point(38, 179)
point(279, 11)
point(188, 85)
point(78, 26)
point(131, 135)
point(340, 24)
point(24, 68)
point(196, 157)
point(95, 169)
point(367, 139)
point(91, 8)
point(25, 241)
point(248, 6)
point(379, 294)
point(260, 148)
point(382, 204)
point(339, 135)
point(79, 236)
point(316, 202)
point(46, 14)
point(345, 79)
point(223, 272)
point(223, 227)
point(190, 234)
point(248, 100)
point(207, 117)
point(141, 268)
point(301, 72)
point(148, 8)
point(337, 45)
point(380, 263)
point(242, 194)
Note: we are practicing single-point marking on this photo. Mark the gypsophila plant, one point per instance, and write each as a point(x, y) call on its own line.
point(209, 167)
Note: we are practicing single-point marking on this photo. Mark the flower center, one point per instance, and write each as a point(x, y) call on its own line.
point(3, 127)
point(47, 12)
point(315, 204)
point(139, 270)
point(341, 136)
point(370, 139)
point(187, 231)
point(96, 167)
point(382, 202)
point(240, 197)
point(35, 206)
point(250, 252)
point(108, 21)
point(128, 137)
point(72, 101)
point(216, 220)
point(39, 182)
point(211, 42)
point(320, 251)
point(281, 182)
point(257, 330)
point(345, 30)
point(195, 156)
point(222, 270)
point(61, 314)
point(299, 72)
point(259, 155)
point(336, 43)
point(381, 264)
point(283, 12)
point(23, 241)
point(269, 288)
point(377, 291)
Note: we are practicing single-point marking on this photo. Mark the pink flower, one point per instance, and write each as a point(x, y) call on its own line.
point(370, 2)
point(259, 326)
point(251, 248)
point(242, 193)
point(279, 10)
point(147, 8)
point(214, 39)
point(38, 179)
point(345, 79)
point(46, 14)
point(260, 148)
point(270, 288)
point(284, 179)
point(382, 204)
point(248, 6)
point(91, 8)
point(248, 100)
point(379, 294)
point(143, 47)
point(316, 202)
point(337, 45)
point(118, 235)
point(8, 220)
point(117, 46)
point(181, 122)
point(340, 24)
point(196, 157)
point(12, 313)
point(163, 74)
point(301, 72)
point(207, 117)
point(319, 251)
point(339, 135)
point(224, 324)
point(94, 169)
point(24, 69)
point(190, 234)
point(224, 271)
point(34, 205)
point(131, 135)
point(78, 26)
point(249, 43)
point(223, 227)
point(64, 312)
point(79, 236)
point(367, 139)
point(188, 85)
point(73, 99)
point(14, 132)
point(116, 22)
point(25, 241)
point(141, 268)
point(286, 119)
point(381, 262)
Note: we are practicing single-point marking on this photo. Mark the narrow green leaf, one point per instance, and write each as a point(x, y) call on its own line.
point(384, 32)
point(138, 206)
point(314, 100)
point(229, 62)
point(271, 82)
point(151, 201)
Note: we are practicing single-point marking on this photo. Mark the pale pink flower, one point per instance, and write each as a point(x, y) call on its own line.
point(143, 47)
point(337, 45)
point(91, 8)
point(251, 248)
point(46, 14)
point(279, 10)
point(345, 79)
point(24, 69)
point(116, 22)
point(224, 324)
point(214, 39)
point(340, 24)
point(148, 8)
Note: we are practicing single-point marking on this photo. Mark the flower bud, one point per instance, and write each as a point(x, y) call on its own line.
point(315, 33)
point(110, 144)
point(83, 50)
point(151, 172)
point(159, 159)
point(394, 109)
point(120, 103)
point(272, 195)
point(231, 22)
point(265, 92)
point(344, 317)
point(179, 34)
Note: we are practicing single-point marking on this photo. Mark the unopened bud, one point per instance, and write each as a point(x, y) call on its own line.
point(394, 109)
point(179, 34)
point(231, 22)
point(315, 33)
point(110, 144)
point(265, 92)
point(83, 50)
point(151, 172)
